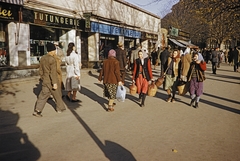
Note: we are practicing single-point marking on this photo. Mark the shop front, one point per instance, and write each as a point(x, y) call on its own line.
point(46, 27)
point(107, 36)
point(8, 13)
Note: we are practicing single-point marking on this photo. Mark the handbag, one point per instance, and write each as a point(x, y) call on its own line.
point(161, 79)
point(121, 93)
point(152, 89)
point(133, 89)
point(75, 83)
point(203, 66)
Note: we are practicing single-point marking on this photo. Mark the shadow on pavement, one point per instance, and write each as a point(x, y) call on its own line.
point(94, 96)
point(112, 151)
point(14, 144)
point(222, 80)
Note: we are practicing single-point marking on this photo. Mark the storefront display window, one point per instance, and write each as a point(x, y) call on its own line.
point(3, 52)
point(39, 37)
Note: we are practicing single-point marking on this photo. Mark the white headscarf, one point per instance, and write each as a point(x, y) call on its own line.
point(187, 51)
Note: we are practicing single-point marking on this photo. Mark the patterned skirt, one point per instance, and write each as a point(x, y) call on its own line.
point(110, 90)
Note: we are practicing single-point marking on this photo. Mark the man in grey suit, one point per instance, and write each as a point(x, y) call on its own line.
point(215, 60)
point(50, 82)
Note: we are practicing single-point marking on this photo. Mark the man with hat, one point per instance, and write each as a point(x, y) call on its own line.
point(121, 57)
point(50, 82)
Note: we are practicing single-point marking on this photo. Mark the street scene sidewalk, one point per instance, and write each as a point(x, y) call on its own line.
point(160, 131)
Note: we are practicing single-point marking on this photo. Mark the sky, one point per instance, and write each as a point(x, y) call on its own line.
point(160, 8)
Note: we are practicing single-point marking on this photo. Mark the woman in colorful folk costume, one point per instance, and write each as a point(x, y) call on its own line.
point(110, 74)
point(171, 77)
point(142, 73)
point(196, 78)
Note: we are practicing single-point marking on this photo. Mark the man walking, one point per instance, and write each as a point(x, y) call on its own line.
point(215, 59)
point(163, 58)
point(235, 59)
point(50, 84)
point(121, 57)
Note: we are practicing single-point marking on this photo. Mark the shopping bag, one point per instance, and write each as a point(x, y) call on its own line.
point(75, 83)
point(183, 88)
point(121, 93)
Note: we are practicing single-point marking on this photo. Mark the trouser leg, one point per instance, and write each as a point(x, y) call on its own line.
point(42, 98)
point(123, 74)
point(143, 99)
point(58, 100)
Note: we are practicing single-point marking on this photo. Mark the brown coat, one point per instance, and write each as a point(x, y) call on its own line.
point(185, 64)
point(175, 65)
point(110, 72)
point(48, 70)
point(121, 57)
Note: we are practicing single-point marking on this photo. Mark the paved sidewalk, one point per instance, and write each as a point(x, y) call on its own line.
point(160, 131)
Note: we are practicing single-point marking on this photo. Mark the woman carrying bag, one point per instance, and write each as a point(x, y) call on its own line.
point(142, 73)
point(72, 72)
point(171, 77)
point(110, 74)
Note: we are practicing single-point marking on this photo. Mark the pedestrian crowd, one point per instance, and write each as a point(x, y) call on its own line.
point(180, 68)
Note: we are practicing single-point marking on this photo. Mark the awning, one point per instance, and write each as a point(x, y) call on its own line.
point(18, 2)
point(176, 42)
point(187, 44)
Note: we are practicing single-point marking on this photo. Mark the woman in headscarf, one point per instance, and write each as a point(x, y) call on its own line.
point(110, 74)
point(196, 78)
point(171, 77)
point(142, 73)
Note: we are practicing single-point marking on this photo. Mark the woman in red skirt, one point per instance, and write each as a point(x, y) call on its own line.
point(142, 73)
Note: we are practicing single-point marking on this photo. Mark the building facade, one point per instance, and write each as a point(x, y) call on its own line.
point(27, 25)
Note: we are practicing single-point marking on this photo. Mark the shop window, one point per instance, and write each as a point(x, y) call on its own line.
point(3, 49)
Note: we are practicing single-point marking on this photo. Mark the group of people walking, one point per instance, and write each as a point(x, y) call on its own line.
point(188, 68)
point(174, 67)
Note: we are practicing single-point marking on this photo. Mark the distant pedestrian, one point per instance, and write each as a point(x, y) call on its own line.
point(215, 60)
point(196, 78)
point(235, 59)
point(154, 57)
point(122, 58)
point(163, 58)
point(50, 82)
point(142, 73)
point(110, 74)
point(72, 71)
point(230, 56)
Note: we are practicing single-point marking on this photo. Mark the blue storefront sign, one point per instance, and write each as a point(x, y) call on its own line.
point(114, 30)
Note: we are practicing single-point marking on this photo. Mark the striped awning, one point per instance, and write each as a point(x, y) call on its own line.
point(188, 44)
point(18, 2)
point(176, 42)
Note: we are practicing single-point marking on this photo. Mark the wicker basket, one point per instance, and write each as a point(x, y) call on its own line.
point(183, 88)
point(133, 89)
point(152, 89)
point(159, 81)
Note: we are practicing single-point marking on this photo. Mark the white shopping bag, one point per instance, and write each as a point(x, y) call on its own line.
point(121, 93)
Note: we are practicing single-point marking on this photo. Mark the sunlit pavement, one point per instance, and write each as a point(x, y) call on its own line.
point(160, 131)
